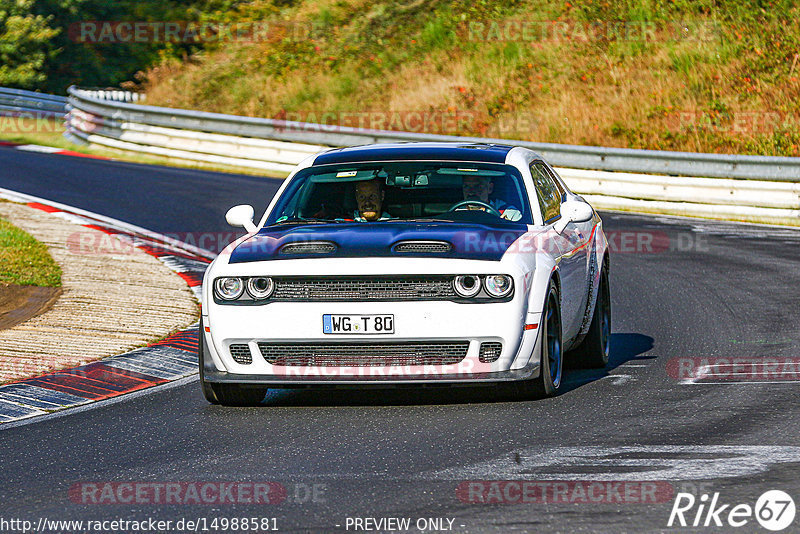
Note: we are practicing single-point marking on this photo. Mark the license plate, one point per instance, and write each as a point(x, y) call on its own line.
point(357, 324)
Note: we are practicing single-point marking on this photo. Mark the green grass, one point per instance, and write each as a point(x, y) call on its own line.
point(25, 261)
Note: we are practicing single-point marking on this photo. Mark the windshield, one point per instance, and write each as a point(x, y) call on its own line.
point(402, 191)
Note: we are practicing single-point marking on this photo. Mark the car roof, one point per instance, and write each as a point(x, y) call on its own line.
point(478, 152)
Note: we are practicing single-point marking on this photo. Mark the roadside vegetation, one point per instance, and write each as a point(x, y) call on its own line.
point(25, 261)
point(694, 75)
point(41, 44)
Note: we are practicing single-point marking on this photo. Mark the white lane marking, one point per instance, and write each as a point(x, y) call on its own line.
point(12, 410)
point(39, 148)
point(698, 375)
point(104, 402)
point(618, 380)
point(183, 265)
point(16, 196)
point(718, 227)
point(714, 370)
point(641, 462)
point(38, 397)
point(71, 217)
point(159, 361)
point(738, 382)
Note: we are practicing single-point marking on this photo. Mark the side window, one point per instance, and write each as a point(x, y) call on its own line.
point(546, 191)
point(562, 193)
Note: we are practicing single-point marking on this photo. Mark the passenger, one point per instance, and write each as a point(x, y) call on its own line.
point(479, 188)
point(369, 196)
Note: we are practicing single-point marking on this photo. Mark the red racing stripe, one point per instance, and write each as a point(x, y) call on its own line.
point(101, 229)
point(43, 207)
point(80, 155)
point(185, 340)
point(95, 381)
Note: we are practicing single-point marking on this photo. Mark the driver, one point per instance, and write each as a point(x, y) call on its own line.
point(478, 188)
point(369, 196)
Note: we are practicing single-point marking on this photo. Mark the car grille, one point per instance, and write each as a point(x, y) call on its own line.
point(490, 351)
point(240, 353)
point(364, 288)
point(364, 354)
point(421, 247)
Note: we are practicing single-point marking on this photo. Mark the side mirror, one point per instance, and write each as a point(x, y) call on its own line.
point(241, 215)
point(573, 211)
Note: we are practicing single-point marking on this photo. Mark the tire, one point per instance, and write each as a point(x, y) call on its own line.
point(594, 350)
point(226, 394)
point(548, 383)
point(236, 395)
point(208, 390)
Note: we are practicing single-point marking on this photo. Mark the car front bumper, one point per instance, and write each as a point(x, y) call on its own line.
point(391, 380)
point(415, 322)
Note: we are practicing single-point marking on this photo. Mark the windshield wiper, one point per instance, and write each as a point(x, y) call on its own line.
point(293, 220)
point(420, 220)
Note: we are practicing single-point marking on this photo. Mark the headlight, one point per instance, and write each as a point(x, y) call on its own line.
point(498, 285)
point(229, 288)
point(260, 287)
point(467, 285)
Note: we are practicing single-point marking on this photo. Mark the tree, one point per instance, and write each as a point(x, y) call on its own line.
point(24, 44)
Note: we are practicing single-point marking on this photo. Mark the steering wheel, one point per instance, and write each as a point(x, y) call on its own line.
point(478, 203)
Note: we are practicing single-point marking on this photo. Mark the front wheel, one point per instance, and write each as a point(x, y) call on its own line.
point(208, 390)
point(226, 394)
point(236, 395)
point(548, 383)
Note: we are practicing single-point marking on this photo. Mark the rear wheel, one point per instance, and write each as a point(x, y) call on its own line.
point(548, 382)
point(226, 394)
point(594, 351)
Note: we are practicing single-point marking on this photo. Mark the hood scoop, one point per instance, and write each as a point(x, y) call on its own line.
point(422, 247)
point(395, 239)
point(308, 247)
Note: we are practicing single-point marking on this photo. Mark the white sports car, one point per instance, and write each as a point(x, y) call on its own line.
point(419, 263)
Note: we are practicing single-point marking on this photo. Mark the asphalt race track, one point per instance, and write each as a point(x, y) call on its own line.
point(683, 290)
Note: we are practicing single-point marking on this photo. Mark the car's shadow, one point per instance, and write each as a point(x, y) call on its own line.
point(624, 348)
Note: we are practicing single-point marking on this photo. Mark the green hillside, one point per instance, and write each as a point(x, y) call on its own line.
point(696, 75)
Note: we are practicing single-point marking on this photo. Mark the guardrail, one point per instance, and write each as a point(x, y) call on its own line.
point(750, 188)
point(754, 188)
point(117, 95)
point(18, 101)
